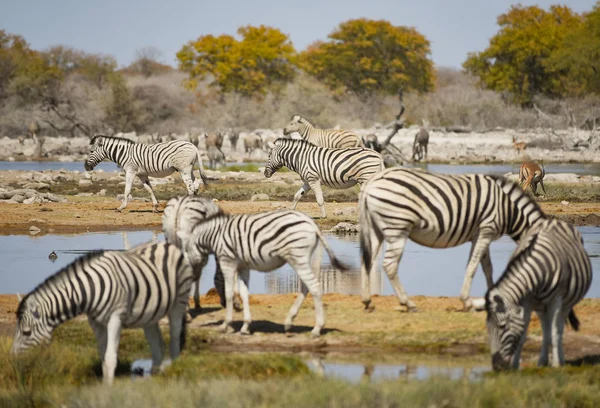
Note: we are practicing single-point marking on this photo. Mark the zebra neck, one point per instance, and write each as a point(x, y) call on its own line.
point(119, 152)
point(210, 234)
point(306, 130)
point(514, 286)
point(294, 157)
point(56, 305)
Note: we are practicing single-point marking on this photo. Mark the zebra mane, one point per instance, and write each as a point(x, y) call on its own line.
point(513, 187)
point(516, 258)
point(120, 139)
point(219, 214)
point(302, 119)
point(282, 141)
point(56, 276)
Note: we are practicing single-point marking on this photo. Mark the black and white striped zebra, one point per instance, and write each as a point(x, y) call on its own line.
point(335, 168)
point(334, 138)
point(182, 214)
point(262, 242)
point(143, 160)
point(438, 211)
point(115, 290)
point(548, 273)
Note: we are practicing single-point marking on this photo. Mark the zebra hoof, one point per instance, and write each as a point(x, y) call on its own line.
point(412, 309)
point(369, 309)
point(245, 332)
point(315, 334)
point(226, 328)
point(287, 328)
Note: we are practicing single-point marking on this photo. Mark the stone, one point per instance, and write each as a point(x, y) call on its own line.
point(565, 203)
point(102, 192)
point(84, 182)
point(33, 228)
point(345, 228)
point(260, 197)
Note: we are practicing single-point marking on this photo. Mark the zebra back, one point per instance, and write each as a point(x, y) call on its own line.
point(333, 138)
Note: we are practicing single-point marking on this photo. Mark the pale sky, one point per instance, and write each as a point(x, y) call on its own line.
point(120, 27)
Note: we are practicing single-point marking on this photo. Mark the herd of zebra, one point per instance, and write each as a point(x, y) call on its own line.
point(549, 272)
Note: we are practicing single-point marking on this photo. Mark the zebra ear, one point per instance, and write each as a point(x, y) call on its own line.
point(500, 307)
point(271, 145)
point(19, 298)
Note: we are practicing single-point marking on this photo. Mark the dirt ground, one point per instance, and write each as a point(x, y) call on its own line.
point(83, 214)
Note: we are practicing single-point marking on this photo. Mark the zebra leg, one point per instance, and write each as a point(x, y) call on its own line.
point(146, 182)
point(370, 248)
point(557, 319)
point(187, 175)
point(229, 269)
point(157, 345)
point(129, 178)
point(289, 320)
point(488, 270)
point(177, 329)
point(100, 333)
point(546, 323)
point(526, 318)
point(303, 190)
point(392, 257)
point(244, 274)
point(112, 346)
point(316, 186)
point(481, 245)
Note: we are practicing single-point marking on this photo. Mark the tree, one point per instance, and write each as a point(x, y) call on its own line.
point(372, 56)
point(518, 58)
point(147, 62)
point(261, 60)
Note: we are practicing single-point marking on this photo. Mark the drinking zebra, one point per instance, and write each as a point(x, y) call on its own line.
point(115, 290)
point(334, 138)
point(143, 160)
point(530, 174)
point(438, 211)
point(263, 242)
point(549, 273)
point(420, 144)
point(182, 214)
point(336, 168)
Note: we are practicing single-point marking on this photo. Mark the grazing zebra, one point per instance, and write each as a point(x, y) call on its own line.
point(532, 174)
point(438, 211)
point(334, 138)
point(143, 160)
point(115, 290)
point(549, 273)
point(263, 242)
point(420, 144)
point(336, 168)
point(182, 214)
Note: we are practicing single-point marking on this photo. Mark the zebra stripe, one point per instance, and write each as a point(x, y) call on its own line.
point(336, 168)
point(143, 160)
point(549, 273)
point(333, 138)
point(438, 211)
point(263, 242)
point(115, 290)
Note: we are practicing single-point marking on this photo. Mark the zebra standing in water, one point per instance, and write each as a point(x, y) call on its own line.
point(115, 290)
point(263, 242)
point(143, 160)
point(549, 273)
point(336, 168)
point(334, 138)
point(438, 211)
point(182, 214)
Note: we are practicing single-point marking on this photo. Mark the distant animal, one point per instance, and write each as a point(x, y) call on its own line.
point(215, 157)
point(115, 290)
point(549, 273)
point(519, 146)
point(333, 138)
point(420, 144)
point(263, 242)
point(252, 142)
point(214, 140)
point(335, 168)
point(371, 142)
point(52, 256)
point(233, 139)
point(143, 160)
point(532, 174)
point(438, 211)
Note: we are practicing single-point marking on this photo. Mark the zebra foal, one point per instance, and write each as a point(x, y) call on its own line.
point(548, 273)
point(143, 160)
point(334, 138)
point(335, 168)
point(263, 242)
point(115, 290)
point(438, 211)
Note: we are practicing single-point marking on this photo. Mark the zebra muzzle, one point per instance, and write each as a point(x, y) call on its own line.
point(88, 166)
point(268, 173)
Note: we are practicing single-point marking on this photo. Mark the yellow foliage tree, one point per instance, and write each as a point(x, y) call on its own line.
point(371, 56)
point(263, 58)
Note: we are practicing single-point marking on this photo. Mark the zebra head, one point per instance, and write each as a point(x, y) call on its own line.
point(191, 251)
point(97, 153)
point(296, 125)
point(506, 328)
point(275, 161)
point(32, 328)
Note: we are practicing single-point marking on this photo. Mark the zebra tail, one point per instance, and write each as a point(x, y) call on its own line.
point(334, 261)
point(183, 334)
point(201, 169)
point(573, 320)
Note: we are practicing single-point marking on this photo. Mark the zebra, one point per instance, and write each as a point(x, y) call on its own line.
point(530, 174)
point(420, 144)
point(336, 168)
point(115, 290)
point(143, 160)
point(549, 273)
point(334, 138)
point(438, 211)
point(183, 213)
point(263, 242)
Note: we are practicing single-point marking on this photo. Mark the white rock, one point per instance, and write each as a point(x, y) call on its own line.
point(564, 202)
point(260, 197)
point(84, 182)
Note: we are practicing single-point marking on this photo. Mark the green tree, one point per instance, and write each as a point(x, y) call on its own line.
point(262, 59)
point(518, 58)
point(371, 56)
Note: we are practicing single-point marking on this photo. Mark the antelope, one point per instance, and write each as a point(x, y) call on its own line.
point(532, 174)
point(519, 146)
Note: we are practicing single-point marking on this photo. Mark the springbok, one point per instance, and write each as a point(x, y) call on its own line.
point(532, 174)
point(519, 146)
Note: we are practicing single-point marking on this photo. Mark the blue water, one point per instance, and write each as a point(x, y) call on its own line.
point(423, 271)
